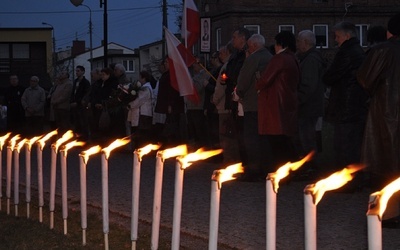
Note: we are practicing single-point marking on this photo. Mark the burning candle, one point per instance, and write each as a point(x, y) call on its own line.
point(105, 154)
point(54, 150)
point(218, 177)
point(83, 161)
point(10, 148)
point(137, 159)
point(41, 143)
point(2, 142)
point(272, 185)
point(182, 163)
point(376, 208)
point(313, 194)
point(158, 178)
point(64, 190)
point(16, 174)
point(28, 172)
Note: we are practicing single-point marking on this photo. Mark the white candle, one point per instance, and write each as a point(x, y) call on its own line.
point(16, 180)
point(310, 222)
point(28, 179)
point(270, 215)
point(53, 184)
point(374, 232)
point(176, 222)
point(1, 176)
point(8, 187)
point(64, 189)
point(83, 161)
point(135, 198)
point(2, 142)
point(82, 169)
point(40, 180)
point(104, 181)
point(158, 179)
point(214, 214)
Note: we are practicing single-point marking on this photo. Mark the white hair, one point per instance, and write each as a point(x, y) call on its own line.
point(258, 39)
point(308, 36)
point(120, 67)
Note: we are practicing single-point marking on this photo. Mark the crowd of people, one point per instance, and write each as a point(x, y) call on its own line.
point(262, 106)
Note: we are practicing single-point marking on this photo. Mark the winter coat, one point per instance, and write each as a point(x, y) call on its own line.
point(311, 88)
point(347, 99)
point(277, 98)
point(380, 76)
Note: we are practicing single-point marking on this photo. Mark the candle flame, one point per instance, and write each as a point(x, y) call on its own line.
point(42, 141)
point(378, 200)
point(3, 140)
point(20, 145)
point(200, 154)
point(65, 137)
point(72, 144)
point(30, 142)
point(227, 174)
point(284, 171)
point(173, 152)
point(334, 181)
point(91, 151)
point(13, 141)
point(115, 144)
point(146, 149)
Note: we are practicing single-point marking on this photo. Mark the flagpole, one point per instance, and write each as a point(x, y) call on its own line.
point(208, 72)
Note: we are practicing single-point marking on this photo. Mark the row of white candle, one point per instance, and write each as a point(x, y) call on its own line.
point(182, 162)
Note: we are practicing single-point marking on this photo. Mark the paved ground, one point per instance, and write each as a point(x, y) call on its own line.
point(341, 217)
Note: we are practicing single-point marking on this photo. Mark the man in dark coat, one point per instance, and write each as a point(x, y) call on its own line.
point(15, 111)
point(380, 76)
point(170, 102)
point(79, 102)
point(347, 108)
point(246, 90)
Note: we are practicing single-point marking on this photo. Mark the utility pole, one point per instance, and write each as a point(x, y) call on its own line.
point(165, 24)
point(103, 3)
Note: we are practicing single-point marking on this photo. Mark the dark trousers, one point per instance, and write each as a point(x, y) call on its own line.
point(62, 118)
point(34, 125)
point(197, 127)
point(251, 140)
point(282, 150)
point(347, 143)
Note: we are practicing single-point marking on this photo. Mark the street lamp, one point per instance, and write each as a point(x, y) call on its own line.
point(105, 23)
point(90, 32)
point(54, 57)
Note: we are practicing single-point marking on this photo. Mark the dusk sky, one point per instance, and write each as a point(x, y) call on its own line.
point(131, 23)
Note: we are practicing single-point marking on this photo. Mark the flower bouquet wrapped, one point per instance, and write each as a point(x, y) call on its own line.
point(128, 92)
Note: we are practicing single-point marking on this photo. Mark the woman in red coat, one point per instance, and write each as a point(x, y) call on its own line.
point(277, 100)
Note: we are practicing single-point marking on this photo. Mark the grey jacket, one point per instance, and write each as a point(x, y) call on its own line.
point(246, 82)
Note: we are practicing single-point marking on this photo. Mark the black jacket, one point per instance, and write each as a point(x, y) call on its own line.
point(347, 100)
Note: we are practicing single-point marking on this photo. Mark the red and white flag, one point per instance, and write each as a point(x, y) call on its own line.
point(190, 30)
point(179, 59)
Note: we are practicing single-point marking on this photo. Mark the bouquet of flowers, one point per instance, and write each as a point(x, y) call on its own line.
point(128, 92)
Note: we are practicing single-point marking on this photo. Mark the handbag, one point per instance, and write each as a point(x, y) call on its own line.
point(104, 120)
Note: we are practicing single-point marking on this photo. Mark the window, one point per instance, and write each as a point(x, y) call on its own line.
point(20, 51)
point(362, 34)
point(286, 28)
point(129, 65)
point(254, 29)
point(218, 36)
point(4, 58)
point(321, 35)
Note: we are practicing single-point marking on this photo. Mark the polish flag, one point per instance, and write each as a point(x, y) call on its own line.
point(190, 30)
point(179, 59)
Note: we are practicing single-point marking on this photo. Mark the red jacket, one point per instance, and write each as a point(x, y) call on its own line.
point(277, 98)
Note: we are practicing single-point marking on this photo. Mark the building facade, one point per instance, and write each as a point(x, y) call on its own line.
point(26, 52)
point(269, 17)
